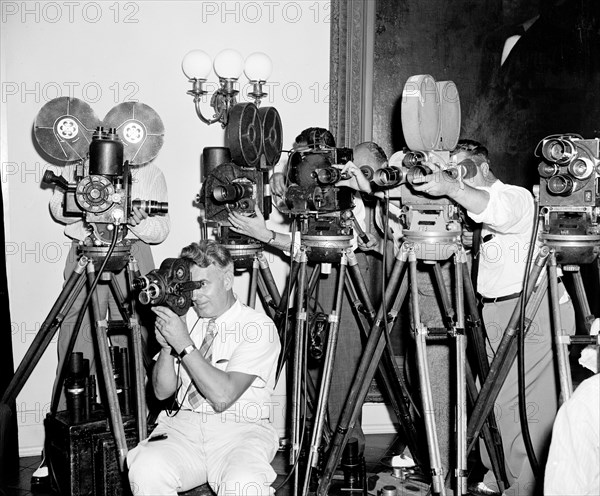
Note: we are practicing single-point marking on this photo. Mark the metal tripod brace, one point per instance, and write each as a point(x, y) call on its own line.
point(540, 281)
point(351, 280)
point(396, 291)
point(263, 283)
point(66, 299)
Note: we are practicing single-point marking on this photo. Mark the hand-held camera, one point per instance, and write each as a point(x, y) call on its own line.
point(569, 195)
point(101, 192)
point(170, 285)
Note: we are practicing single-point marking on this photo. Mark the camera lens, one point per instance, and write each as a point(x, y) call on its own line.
point(412, 159)
point(388, 176)
point(581, 168)
point(558, 150)
point(152, 207)
point(232, 192)
point(417, 171)
point(328, 175)
point(560, 185)
point(547, 170)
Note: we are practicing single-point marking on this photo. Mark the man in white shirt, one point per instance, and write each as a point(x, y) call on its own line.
point(219, 362)
point(573, 467)
point(507, 216)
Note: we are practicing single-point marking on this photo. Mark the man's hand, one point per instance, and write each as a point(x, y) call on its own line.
point(374, 243)
point(172, 328)
point(137, 216)
point(439, 183)
point(278, 184)
point(254, 227)
point(357, 180)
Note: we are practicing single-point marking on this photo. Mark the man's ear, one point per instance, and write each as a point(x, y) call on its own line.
point(485, 169)
point(228, 279)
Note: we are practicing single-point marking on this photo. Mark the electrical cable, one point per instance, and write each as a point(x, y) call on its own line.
point(521, 349)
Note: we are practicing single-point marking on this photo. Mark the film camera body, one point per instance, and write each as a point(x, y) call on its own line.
point(431, 125)
point(236, 177)
point(103, 154)
point(323, 209)
point(170, 285)
point(102, 194)
point(569, 196)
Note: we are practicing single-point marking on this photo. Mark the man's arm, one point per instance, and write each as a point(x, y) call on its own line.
point(441, 184)
point(220, 388)
point(164, 379)
point(149, 184)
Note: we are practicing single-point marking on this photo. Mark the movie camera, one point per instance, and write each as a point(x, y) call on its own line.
point(235, 177)
point(324, 210)
point(170, 285)
point(431, 125)
point(569, 197)
point(104, 154)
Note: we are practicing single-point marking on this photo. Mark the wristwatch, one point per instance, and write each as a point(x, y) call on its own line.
point(186, 351)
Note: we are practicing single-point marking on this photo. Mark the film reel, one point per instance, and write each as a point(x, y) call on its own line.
point(430, 114)
point(420, 113)
point(64, 127)
point(244, 135)
point(140, 128)
point(272, 134)
point(449, 114)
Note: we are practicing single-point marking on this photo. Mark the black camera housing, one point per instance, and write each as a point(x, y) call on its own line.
point(101, 193)
point(569, 196)
point(170, 285)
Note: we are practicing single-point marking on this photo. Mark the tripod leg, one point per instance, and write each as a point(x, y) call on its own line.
point(461, 385)
point(299, 359)
point(449, 314)
point(269, 280)
point(63, 303)
point(101, 329)
point(562, 346)
point(420, 336)
point(507, 351)
point(389, 375)
point(253, 283)
point(332, 338)
point(138, 364)
point(476, 335)
point(283, 303)
point(364, 374)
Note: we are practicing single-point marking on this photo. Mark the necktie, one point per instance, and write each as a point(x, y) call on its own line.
point(194, 396)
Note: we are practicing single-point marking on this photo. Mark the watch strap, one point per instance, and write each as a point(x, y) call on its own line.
point(186, 351)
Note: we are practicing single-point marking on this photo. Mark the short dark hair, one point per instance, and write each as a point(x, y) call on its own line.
point(316, 137)
point(471, 146)
point(208, 252)
point(377, 152)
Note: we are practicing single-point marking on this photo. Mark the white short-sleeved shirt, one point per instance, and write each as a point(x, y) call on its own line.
point(573, 467)
point(508, 219)
point(246, 341)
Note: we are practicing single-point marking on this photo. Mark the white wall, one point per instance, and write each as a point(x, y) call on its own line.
point(105, 53)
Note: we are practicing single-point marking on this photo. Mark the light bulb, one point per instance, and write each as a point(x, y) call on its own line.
point(196, 64)
point(228, 64)
point(258, 66)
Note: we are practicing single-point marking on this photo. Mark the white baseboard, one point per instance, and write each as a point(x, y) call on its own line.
point(377, 418)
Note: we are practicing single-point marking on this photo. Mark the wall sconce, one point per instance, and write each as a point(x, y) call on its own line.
point(228, 66)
